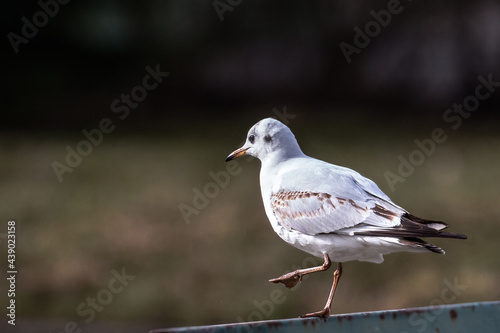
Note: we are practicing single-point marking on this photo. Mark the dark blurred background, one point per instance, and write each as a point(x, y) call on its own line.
point(231, 63)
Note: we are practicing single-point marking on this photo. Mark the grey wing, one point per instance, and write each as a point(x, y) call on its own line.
point(343, 200)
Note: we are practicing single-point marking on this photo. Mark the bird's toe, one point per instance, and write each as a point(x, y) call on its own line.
point(290, 280)
point(323, 314)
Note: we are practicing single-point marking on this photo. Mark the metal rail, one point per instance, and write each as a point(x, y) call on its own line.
point(469, 317)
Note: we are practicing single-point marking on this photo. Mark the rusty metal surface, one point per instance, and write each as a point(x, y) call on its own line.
point(469, 317)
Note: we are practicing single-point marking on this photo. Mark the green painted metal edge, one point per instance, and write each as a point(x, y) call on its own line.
point(468, 317)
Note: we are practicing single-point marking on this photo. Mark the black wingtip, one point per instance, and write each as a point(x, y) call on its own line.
point(428, 228)
point(451, 235)
point(412, 226)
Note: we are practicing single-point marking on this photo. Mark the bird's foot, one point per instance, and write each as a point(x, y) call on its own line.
point(290, 280)
point(323, 314)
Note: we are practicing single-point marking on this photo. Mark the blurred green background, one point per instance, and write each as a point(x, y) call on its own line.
point(118, 210)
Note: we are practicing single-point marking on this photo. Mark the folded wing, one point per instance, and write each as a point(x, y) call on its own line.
point(320, 212)
point(345, 203)
point(344, 199)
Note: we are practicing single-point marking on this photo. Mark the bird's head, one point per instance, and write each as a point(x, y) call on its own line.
point(268, 138)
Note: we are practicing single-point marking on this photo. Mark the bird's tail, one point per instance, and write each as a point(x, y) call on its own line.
point(410, 230)
point(412, 227)
point(418, 243)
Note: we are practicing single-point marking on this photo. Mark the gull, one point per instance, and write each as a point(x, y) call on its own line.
point(329, 211)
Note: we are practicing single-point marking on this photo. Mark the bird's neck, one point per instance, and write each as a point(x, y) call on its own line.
point(279, 156)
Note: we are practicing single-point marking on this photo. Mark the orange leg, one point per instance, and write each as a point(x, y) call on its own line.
point(326, 311)
point(292, 278)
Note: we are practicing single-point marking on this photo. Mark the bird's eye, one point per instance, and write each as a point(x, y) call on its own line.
point(251, 138)
point(267, 138)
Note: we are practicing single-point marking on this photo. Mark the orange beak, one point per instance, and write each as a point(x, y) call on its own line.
point(237, 153)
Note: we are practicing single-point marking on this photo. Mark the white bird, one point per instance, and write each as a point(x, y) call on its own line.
point(329, 211)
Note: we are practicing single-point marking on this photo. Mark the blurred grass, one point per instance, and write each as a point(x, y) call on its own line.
point(119, 209)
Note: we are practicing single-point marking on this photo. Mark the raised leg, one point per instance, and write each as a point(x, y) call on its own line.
point(292, 278)
point(326, 311)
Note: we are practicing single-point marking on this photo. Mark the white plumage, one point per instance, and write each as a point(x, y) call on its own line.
point(327, 210)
